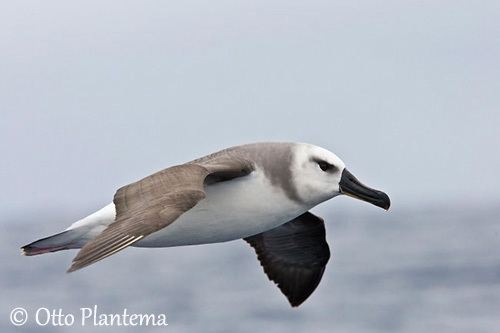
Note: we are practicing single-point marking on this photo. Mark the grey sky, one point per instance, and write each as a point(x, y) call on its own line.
point(96, 94)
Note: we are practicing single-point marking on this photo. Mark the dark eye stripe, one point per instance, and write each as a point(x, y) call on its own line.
point(324, 165)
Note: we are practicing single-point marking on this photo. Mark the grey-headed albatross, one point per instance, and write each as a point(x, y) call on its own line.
point(259, 192)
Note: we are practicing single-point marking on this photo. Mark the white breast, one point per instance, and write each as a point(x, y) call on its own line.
point(231, 210)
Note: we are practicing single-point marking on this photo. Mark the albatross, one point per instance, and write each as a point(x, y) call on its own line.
point(260, 192)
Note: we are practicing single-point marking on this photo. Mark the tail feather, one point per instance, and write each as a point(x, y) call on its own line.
point(69, 239)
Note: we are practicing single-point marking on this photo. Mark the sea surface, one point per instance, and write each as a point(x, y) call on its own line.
point(412, 270)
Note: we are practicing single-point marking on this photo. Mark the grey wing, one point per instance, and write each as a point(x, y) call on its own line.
point(294, 255)
point(155, 202)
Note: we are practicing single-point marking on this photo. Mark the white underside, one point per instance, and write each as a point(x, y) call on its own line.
point(231, 210)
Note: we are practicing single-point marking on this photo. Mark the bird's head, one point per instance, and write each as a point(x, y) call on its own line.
point(321, 175)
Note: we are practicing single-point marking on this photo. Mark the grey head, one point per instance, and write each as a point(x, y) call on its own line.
point(306, 173)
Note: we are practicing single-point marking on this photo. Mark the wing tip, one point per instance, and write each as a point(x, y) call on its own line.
point(87, 256)
point(71, 269)
point(295, 304)
point(74, 267)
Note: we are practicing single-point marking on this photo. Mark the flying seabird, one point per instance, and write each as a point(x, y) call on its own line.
point(259, 192)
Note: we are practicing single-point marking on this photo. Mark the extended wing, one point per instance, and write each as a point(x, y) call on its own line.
point(156, 201)
point(294, 255)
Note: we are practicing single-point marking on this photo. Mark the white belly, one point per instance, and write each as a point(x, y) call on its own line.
point(231, 210)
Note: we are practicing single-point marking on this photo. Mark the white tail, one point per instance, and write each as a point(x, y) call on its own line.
point(76, 236)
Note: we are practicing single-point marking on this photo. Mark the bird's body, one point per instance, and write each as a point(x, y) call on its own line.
point(258, 192)
point(231, 210)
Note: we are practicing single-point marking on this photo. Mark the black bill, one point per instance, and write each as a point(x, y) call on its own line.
point(351, 186)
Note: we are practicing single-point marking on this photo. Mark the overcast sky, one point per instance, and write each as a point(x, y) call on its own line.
point(96, 94)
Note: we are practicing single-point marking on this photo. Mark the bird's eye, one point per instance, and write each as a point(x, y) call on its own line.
point(325, 166)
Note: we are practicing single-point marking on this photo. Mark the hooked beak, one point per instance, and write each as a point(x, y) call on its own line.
point(351, 186)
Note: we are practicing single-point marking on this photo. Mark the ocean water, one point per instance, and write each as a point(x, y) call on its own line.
point(420, 270)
